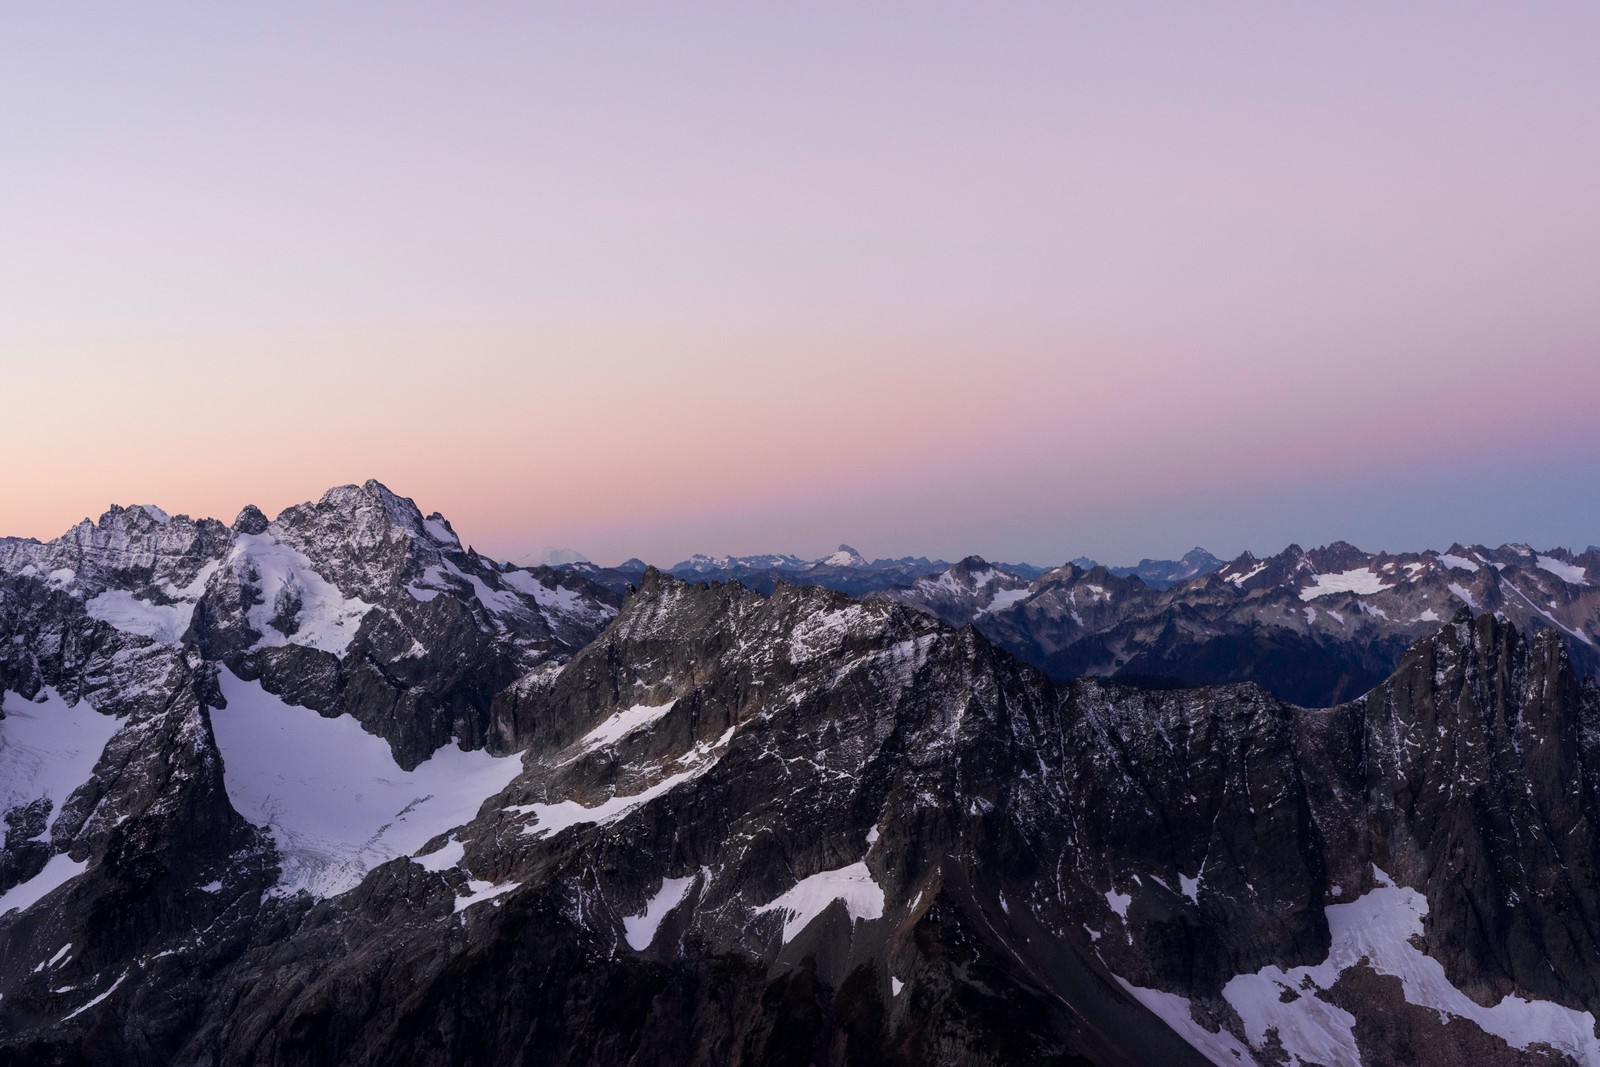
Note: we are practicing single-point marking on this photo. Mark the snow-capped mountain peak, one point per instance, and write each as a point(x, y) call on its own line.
point(844, 556)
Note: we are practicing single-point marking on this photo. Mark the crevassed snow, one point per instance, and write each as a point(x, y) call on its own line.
point(1460, 563)
point(641, 929)
point(624, 723)
point(1462, 595)
point(482, 891)
point(1378, 927)
point(48, 749)
point(1360, 580)
point(1221, 1048)
point(331, 794)
point(854, 885)
point(59, 870)
point(1570, 573)
point(163, 622)
point(327, 619)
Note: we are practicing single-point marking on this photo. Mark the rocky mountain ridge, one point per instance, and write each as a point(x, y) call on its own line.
point(740, 827)
point(1161, 573)
point(1315, 627)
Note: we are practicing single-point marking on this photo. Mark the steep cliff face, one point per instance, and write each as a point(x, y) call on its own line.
point(746, 828)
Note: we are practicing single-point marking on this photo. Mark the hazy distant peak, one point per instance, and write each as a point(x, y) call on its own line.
point(550, 556)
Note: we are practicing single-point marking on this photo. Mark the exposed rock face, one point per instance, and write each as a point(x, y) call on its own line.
point(786, 828)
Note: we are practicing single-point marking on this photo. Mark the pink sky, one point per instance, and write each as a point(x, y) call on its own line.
point(1030, 282)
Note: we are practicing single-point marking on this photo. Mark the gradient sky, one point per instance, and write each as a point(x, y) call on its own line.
point(1025, 280)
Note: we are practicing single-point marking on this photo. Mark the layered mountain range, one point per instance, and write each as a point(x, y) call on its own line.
point(1314, 627)
point(845, 570)
point(334, 789)
point(1159, 573)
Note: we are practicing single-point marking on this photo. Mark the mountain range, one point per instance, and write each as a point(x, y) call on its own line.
point(332, 788)
point(1313, 627)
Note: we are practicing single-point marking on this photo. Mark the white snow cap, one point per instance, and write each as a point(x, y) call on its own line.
point(844, 557)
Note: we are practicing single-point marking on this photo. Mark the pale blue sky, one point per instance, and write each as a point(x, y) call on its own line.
point(1028, 280)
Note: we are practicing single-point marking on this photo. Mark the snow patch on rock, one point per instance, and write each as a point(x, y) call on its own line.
point(438, 531)
point(641, 929)
point(1360, 581)
point(624, 723)
point(1377, 928)
point(449, 856)
point(1570, 573)
point(561, 815)
point(1005, 598)
point(58, 871)
point(478, 892)
point(110, 990)
point(558, 599)
point(854, 885)
point(1220, 1047)
point(1118, 902)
